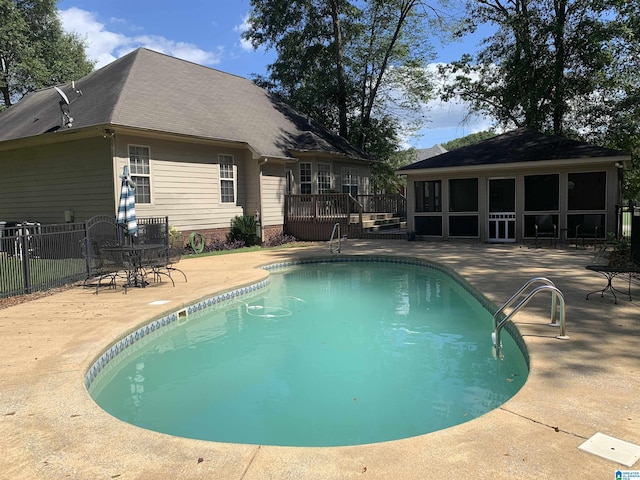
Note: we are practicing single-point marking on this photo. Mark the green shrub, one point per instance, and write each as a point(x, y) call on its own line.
point(244, 229)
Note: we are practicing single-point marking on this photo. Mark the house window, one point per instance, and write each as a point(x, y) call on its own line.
point(305, 178)
point(428, 196)
point(350, 181)
point(587, 191)
point(140, 172)
point(324, 177)
point(463, 195)
point(541, 192)
point(227, 180)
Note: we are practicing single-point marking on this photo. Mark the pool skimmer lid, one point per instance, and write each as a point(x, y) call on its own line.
point(619, 451)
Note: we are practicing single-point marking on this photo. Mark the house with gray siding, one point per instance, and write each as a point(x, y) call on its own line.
point(202, 146)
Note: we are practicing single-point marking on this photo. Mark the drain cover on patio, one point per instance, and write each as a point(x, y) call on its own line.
point(619, 451)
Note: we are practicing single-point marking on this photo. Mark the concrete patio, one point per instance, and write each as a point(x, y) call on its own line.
point(51, 428)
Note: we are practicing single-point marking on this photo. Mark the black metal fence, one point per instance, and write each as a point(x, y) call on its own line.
point(35, 257)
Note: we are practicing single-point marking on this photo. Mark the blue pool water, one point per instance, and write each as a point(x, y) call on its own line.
point(328, 354)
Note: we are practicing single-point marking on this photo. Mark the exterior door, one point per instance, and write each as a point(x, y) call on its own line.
point(502, 210)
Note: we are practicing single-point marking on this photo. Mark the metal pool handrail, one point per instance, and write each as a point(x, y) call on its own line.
point(332, 248)
point(555, 293)
point(515, 296)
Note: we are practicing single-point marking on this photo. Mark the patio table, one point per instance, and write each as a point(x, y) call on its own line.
point(610, 272)
point(135, 259)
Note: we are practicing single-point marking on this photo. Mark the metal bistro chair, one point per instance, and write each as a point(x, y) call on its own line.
point(99, 266)
point(545, 228)
point(162, 261)
point(165, 263)
point(173, 257)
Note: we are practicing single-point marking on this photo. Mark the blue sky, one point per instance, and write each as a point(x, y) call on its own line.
point(209, 33)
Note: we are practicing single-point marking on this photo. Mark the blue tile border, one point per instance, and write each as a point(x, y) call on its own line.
point(141, 336)
point(136, 339)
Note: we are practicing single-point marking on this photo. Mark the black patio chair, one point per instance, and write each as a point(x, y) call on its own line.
point(100, 266)
point(590, 228)
point(166, 263)
point(175, 254)
point(545, 228)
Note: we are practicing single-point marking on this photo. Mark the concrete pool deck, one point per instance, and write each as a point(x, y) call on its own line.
point(51, 428)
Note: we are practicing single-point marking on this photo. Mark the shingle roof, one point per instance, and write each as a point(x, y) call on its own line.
point(520, 145)
point(153, 91)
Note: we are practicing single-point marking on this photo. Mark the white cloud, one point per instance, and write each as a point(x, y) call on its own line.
point(241, 28)
point(448, 120)
point(105, 46)
point(100, 43)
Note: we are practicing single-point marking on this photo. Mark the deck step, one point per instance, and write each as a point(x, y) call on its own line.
point(398, 234)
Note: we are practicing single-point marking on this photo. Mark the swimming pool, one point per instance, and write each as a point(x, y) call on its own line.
point(324, 353)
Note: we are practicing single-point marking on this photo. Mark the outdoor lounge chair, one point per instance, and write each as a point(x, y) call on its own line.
point(591, 227)
point(545, 228)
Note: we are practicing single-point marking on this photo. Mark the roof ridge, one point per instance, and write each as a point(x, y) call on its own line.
point(116, 104)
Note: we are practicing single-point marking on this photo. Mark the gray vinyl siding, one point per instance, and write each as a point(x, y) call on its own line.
point(185, 182)
point(251, 185)
point(273, 191)
point(40, 183)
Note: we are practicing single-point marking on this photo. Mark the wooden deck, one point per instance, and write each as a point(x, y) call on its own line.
point(312, 217)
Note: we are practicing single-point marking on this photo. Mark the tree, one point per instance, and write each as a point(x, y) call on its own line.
point(34, 50)
point(541, 68)
point(469, 139)
point(356, 67)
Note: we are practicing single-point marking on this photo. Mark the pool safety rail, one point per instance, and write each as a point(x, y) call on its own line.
point(538, 284)
point(335, 237)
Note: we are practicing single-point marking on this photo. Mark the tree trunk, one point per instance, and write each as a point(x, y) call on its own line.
point(340, 74)
point(559, 63)
point(4, 83)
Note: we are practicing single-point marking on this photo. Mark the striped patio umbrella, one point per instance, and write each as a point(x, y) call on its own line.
point(127, 206)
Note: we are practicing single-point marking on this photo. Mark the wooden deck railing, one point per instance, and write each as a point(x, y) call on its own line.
point(312, 217)
point(384, 203)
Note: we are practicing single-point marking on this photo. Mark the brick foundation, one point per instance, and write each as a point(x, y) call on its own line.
point(220, 234)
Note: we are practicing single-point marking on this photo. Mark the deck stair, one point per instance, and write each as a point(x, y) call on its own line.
point(383, 226)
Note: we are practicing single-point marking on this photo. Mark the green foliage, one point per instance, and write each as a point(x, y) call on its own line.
point(243, 229)
point(622, 244)
point(469, 139)
point(175, 237)
point(568, 67)
point(356, 67)
point(34, 50)
point(550, 66)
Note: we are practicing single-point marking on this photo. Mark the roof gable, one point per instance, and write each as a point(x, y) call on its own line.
point(516, 146)
point(152, 91)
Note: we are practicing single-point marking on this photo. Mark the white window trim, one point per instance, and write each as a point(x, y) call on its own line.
point(353, 173)
point(134, 175)
point(224, 157)
point(310, 182)
point(330, 178)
